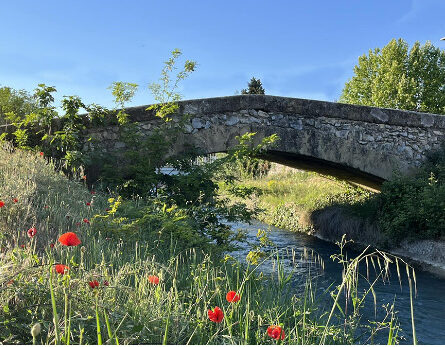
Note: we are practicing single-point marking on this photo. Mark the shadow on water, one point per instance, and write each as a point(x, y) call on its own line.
point(429, 304)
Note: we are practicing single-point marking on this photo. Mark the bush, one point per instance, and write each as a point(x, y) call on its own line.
point(413, 206)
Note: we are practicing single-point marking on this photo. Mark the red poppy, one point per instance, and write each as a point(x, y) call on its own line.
point(85, 220)
point(84, 177)
point(41, 154)
point(216, 315)
point(93, 284)
point(69, 239)
point(232, 296)
point(2, 204)
point(32, 232)
point(51, 245)
point(88, 203)
point(106, 283)
point(22, 246)
point(15, 200)
point(61, 269)
point(276, 332)
point(46, 206)
point(153, 279)
point(78, 224)
point(93, 192)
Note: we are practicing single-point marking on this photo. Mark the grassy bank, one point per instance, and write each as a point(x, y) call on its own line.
point(149, 288)
point(308, 202)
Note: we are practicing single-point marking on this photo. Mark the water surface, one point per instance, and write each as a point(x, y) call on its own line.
point(429, 305)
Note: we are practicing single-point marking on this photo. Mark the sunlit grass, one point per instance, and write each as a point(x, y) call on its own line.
point(303, 189)
point(127, 308)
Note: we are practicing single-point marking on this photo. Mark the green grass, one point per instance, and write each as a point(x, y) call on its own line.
point(303, 189)
point(130, 309)
point(287, 198)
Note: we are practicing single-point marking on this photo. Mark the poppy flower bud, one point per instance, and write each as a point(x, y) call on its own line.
point(83, 249)
point(35, 330)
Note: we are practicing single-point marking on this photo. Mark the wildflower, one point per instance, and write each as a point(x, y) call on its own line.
point(69, 239)
point(106, 283)
point(232, 296)
point(46, 206)
point(41, 154)
point(93, 192)
point(22, 246)
point(153, 279)
point(84, 177)
point(61, 269)
point(51, 245)
point(93, 284)
point(88, 204)
point(216, 315)
point(2, 204)
point(85, 220)
point(15, 200)
point(276, 332)
point(78, 224)
point(10, 283)
point(32, 232)
point(35, 330)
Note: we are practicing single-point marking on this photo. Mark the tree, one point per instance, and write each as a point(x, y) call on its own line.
point(396, 77)
point(254, 87)
point(19, 102)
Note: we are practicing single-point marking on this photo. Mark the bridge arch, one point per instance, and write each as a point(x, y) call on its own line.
point(361, 144)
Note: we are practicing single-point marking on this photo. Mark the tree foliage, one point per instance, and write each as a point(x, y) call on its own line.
point(18, 102)
point(165, 91)
point(398, 77)
point(254, 87)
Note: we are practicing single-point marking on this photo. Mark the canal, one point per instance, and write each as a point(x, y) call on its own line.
point(429, 302)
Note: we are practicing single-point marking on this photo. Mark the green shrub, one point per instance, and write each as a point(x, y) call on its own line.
point(412, 207)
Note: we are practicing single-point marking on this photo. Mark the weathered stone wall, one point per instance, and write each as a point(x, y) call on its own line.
point(359, 143)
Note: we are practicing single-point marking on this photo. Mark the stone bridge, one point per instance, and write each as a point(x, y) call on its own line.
point(361, 144)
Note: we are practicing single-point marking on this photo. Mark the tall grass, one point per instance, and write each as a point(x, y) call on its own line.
point(127, 308)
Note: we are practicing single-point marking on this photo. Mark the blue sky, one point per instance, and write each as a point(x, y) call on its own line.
point(303, 49)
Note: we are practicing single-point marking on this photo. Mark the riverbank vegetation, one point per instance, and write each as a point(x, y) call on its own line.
point(61, 264)
point(408, 208)
point(300, 201)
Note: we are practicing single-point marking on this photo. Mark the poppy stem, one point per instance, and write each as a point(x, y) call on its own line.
point(164, 340)
point(53, 303)
point(99, 335)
